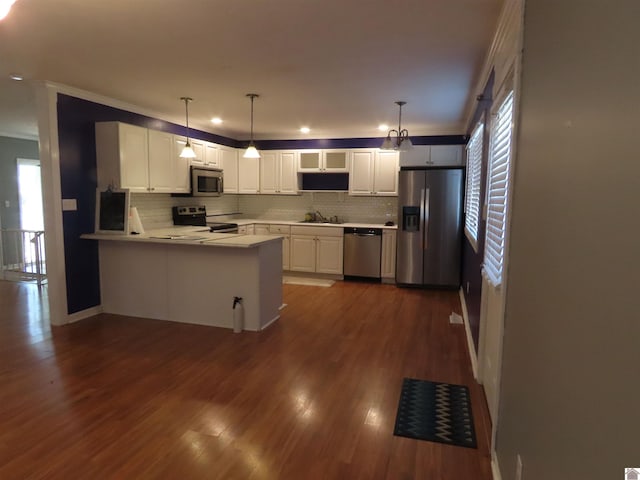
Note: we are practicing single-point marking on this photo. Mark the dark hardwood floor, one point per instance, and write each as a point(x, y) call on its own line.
point(312, 397)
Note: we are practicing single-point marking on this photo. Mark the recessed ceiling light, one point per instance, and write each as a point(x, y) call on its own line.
point(216, 120)
point(305, 129)
point(16, 77)
point(383, 127)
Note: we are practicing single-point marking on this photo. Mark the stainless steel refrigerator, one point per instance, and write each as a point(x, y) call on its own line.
point(429, 226)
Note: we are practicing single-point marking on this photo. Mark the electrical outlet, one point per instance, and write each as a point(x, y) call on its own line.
point(7, 203)
point(518, 467)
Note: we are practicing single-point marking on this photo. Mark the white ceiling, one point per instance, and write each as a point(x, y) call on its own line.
point(336, 66)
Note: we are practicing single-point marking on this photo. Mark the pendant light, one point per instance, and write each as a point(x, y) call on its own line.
point(187, 151)
point(252, 151)
point(401, 142)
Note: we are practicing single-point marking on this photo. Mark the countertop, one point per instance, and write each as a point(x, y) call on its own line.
point(189, 236)
point(249, 221)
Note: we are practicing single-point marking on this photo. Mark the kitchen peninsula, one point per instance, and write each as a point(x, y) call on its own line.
point(190, 276)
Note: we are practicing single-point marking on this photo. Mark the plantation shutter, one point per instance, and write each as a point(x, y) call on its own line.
point(497, 191)
point(474, 171)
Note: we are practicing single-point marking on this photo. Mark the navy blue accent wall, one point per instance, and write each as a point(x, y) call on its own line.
point(472, 261)
point(352, 142)
point(78, 176)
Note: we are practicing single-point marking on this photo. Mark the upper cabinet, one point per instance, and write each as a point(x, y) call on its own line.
point(211, 155)
point(248, 174)
point(139, 159)
point(373, 172)
point(323, 161)
point(432, 155)
point(278, 172)
point(228, 162)
point(168, 173)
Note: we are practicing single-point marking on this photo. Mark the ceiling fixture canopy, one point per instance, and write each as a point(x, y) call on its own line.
point(252, 151)
point(401, 142)
point(187, 151)
point(5, 7)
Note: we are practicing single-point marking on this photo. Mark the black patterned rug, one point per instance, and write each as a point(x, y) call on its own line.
point(437, 412)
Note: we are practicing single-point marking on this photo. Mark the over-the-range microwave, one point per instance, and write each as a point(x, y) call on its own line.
point(206, 182)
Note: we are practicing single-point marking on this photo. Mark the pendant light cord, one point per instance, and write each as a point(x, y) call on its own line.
point(252, 96)
point(186, 112)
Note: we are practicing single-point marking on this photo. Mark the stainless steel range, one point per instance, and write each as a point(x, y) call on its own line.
point(196, 215)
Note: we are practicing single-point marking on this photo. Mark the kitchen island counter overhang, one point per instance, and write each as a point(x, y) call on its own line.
point(191, 278)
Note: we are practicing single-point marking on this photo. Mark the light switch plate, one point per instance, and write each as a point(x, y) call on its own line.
point(69, 205)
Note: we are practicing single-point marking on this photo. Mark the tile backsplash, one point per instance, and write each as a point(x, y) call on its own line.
point(155, 209)
point(293, 207)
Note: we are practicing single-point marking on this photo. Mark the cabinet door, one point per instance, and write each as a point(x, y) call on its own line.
point(446, 155)
point(335, 161)
point(388, 260)
point(228, 158)
point(161, 162)
point(269, 172)
point(261, 229)
point(248, 175)
point(288, 173)
point(285, 252)
point(329, 255)
point(310, 161)
point(303, 253)
point(134, 157)
point(211, 155)
point(385, 176)
point(417, 156)
point(198, 148)
point(361, 174)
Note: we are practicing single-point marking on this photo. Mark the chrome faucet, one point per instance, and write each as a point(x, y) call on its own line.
point(320, 217)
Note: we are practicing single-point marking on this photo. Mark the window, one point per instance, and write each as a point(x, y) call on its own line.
point(497, 190)
point(474, 171)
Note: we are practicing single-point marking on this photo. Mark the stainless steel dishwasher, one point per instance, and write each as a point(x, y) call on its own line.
point(362, 247)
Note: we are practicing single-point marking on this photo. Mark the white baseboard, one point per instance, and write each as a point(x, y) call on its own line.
point(467, 328)
point(81, 315)
point(495, 467)
point(269, 322)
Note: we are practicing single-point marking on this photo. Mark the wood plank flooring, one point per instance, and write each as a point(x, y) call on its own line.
point(312, 397)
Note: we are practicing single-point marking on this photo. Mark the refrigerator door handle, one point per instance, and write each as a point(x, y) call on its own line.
point(422, 206)
point(425, 202)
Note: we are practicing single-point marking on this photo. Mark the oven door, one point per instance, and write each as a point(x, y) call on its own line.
point(206, 182)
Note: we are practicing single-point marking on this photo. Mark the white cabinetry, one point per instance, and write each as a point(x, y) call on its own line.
point(316, 249)
point(278, 172)
point(211, 155)
point(228, 162)
point(373, 173)
point(168, 173)
point(139, 159)
point(196, 145)
point(246, 229)
point(388, 260)
point(122, 153)
point(323, 161)
point(248, 175)
point(432, 155)
point(285, 231)
point(261, 229)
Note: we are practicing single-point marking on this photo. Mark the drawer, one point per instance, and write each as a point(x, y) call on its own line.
point(317, 231)
point(281, 229)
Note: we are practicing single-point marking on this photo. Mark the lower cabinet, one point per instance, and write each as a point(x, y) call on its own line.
point(246, 229)
point(388, 260)
point(261, 229)
point(316, 249)
point(285, 231)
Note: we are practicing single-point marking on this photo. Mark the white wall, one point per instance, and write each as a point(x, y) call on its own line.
point(570, 385)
